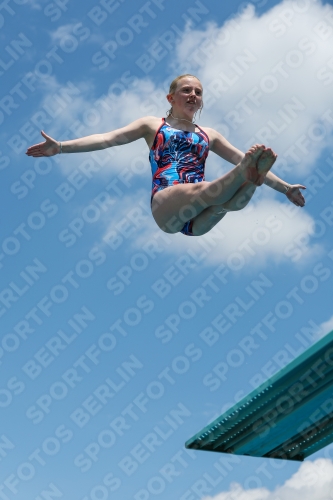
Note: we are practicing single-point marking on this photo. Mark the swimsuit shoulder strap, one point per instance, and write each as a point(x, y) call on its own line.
point(162, 125)
point(157, 131)
point(203, 133)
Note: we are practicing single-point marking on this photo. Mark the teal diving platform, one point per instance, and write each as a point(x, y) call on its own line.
point(290, 416)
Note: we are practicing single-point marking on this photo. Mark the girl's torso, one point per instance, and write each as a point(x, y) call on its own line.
point(177, 156)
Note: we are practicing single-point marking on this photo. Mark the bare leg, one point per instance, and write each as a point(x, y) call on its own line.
point(241, 197)
point(209, 217)
point(265, 163)
point(174, 206)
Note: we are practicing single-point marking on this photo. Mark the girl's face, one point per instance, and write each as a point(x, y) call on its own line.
point(187, 97)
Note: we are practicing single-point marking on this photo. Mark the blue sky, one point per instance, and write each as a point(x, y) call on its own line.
point(108, 360)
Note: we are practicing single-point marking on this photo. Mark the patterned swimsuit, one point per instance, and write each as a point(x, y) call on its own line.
point(178, 157)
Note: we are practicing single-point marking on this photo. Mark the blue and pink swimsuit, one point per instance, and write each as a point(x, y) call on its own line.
point(178, 157)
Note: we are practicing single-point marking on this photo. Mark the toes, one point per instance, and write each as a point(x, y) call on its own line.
point(258, 152)
point(268, 151)
point(257, 146)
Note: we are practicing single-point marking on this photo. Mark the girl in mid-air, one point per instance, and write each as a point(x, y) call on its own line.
point(181, 200)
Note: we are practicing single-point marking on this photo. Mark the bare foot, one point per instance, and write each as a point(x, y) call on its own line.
point(265, 163)
point(249, 163)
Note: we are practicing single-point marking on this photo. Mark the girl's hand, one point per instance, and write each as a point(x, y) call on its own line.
point(50, 147)
point(295, 196)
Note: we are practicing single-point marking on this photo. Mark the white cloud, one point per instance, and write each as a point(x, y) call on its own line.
point(265, 230)
point(67, 34)
point(255, 68)
point(313, 480)
point(34, 4)
point(61, 32)
point(326, 327)
point(81, 112)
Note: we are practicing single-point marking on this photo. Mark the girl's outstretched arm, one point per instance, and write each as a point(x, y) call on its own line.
point(222, 147)
point(132, 132)
point(292, 191)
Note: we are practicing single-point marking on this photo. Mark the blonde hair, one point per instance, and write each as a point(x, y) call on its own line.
point(173, 88)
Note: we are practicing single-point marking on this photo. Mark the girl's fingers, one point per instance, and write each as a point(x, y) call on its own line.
point(33, 149)
point(45, 135)
point(40, 144)
point(296, 197)
point(36, 153)
point(36, 146)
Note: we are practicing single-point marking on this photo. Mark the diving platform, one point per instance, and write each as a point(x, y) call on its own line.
point(290, 416)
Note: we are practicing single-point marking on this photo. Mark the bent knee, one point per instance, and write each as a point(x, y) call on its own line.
point(235, 206)
point(169, 226)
